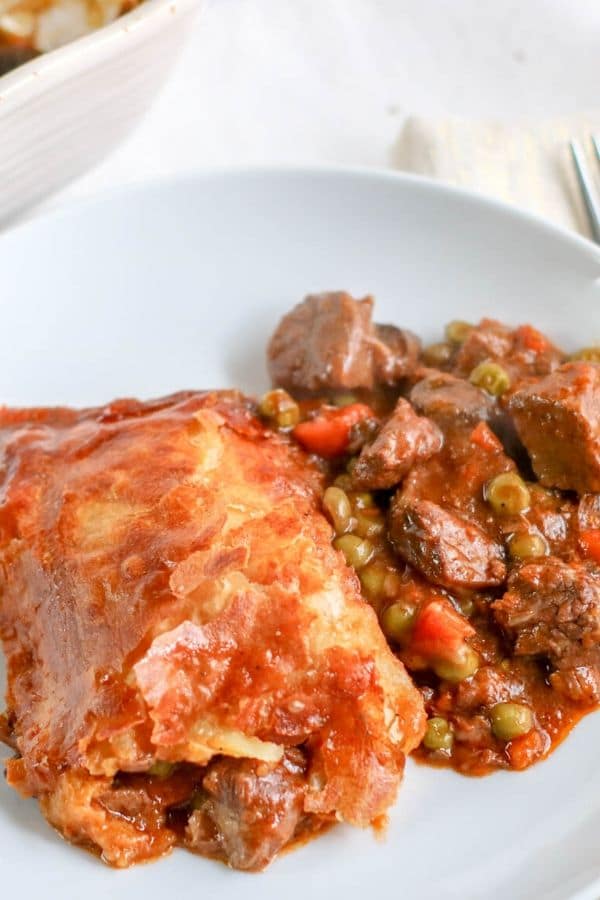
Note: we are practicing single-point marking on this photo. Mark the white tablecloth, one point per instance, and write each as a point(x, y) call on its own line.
point(331, 81)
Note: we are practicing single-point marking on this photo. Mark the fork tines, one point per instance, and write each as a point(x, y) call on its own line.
point(589, 191)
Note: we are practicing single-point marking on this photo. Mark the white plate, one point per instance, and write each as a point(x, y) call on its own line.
point(179, 285)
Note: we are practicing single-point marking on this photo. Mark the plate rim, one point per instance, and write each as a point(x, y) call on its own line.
point(479, 200)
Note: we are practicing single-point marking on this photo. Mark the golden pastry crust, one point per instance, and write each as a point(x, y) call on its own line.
point(169, 592)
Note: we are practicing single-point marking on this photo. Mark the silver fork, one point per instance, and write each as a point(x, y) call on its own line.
point(591, 196)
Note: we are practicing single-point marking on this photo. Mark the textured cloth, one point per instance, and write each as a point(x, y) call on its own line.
point(528, 165)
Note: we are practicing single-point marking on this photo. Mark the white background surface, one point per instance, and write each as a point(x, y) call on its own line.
point(264, 81)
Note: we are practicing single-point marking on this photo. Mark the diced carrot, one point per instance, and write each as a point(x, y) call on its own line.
point(589, 541)
point(440, 631)
point(523, 751)
point(532, 339)
point(484, 437)
point(328, 434)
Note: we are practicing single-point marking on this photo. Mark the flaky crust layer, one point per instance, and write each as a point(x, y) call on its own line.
point(169, 592)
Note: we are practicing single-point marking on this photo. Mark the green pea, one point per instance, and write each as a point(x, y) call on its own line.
point(490, 377)
point(338, 509)
point(393, 583)
point(510, 720)
point(590, 354)
point(368, 526)
point(457, 331)
point(344, 399)
point(161, 768)
point(438, 735)
point(462, 667)
point(358, 551)
point(372, 579)
point(467, 606)
point(280, 408)
point(508, 494)
point(344, 481)
point(397, 621)
point(527, 545)
point(362, 500)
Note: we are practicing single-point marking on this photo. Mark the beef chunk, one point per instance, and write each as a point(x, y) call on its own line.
point(451, 401)
point(324, 343)
point(135, 805)
point(558, 420)
point(455, 403)
point(488, 340)
point(328, 342)
point(488, 686)
point(395, 353)
point(448, 550)
point(552, 609)
point(580, 683)
point(522, 351)
point(251, 810)
point(588, 513)
point(554, 515)
point(456, 477)
point(403, 439)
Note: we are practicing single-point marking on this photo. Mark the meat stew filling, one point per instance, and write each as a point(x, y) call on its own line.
point(462, 490)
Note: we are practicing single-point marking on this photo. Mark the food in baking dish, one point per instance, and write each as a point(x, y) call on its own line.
point(30, 27)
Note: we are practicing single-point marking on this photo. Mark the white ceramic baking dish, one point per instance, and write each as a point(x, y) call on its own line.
point(62, 112)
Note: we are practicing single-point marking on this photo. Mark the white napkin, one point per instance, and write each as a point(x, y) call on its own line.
point(528, 165)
